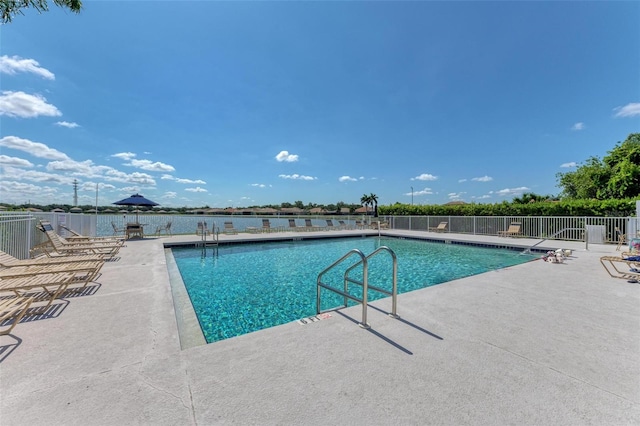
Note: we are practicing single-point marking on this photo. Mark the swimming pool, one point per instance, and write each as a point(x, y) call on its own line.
point(240, 288)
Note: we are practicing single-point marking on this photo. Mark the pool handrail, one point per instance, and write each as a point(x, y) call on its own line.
point(346, 295)
point(364, 283)
point(584, 229)
point(394, 289)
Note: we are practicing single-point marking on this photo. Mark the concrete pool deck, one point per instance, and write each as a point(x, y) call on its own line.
point(533, 344)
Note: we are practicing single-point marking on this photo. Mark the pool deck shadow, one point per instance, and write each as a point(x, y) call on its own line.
point(533, 344)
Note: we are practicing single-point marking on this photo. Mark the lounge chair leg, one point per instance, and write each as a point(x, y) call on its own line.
point(14, 308)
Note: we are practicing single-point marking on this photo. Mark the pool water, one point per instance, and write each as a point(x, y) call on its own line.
point(241, 288)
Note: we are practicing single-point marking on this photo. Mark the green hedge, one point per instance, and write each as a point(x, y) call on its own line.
point(616, 208)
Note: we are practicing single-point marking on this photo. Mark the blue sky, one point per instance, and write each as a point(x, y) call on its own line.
point(252, 103)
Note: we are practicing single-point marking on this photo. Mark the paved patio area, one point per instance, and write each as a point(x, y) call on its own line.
point(533, 344)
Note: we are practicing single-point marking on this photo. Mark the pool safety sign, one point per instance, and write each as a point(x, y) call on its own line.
point(314, 318)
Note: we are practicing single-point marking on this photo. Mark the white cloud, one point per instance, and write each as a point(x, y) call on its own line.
point(577, 126)
point(24, 105)
point(86, 169)
point(347, 179)
point(259, 185)
point(425, 191)
point(35, 149)
point(425, 176)
point(569, 165)
point(482, 179)
point(81, 167)
point(21, 192)
point(190, 181)
point(462, 180)
point(67, 124)
point(169, 194)
point(629, 110)
point(455, 195)
point(14, 161)
point(197, 189)
point(129, 190)
point(482, 197)
point(124, 155)
point(148, 165)
point(151, 166)
point(297, 177)
point(185, 181)
point(91, 186)
point(136, 177)
point(15, 64)
point(286, 157)
point(512, 191)
point(19, 174)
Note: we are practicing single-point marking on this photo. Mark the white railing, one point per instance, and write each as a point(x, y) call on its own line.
point(601, 229)
point(18, 233)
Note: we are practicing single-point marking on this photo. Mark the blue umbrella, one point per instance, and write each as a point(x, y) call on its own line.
point(136, 200)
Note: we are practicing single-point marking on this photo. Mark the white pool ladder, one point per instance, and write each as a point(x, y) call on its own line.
point(364, 283)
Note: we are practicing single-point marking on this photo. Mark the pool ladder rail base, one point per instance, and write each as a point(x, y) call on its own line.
point(203, 231)
point(364, 283)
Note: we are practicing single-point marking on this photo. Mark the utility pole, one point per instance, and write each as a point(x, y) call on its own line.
point(75, 192)
point(412, 195)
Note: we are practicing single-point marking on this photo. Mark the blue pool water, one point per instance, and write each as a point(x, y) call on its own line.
point(241, 288)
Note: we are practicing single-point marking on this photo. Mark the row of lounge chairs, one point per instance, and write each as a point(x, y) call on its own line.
point(56, 266)
point(308, 226)
point(514, 230)
point(230, 229)
point(107, 247)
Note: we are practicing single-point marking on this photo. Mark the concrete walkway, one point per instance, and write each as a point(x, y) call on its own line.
point(534, 344)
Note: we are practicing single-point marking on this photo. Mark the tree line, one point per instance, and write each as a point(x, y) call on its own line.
point(615, 176)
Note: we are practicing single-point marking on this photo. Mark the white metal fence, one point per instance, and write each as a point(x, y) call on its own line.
point(18, 233)
point(569, 228)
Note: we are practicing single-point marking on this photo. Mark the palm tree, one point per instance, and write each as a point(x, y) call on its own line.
point(9, 9)
point(373, 199)
point(365, 200)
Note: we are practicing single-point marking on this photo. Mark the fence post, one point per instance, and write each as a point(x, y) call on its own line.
point(586, 236)
point(28, 244)
point(540, 227)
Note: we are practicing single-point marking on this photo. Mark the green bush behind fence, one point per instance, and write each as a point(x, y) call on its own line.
point(600, 208)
